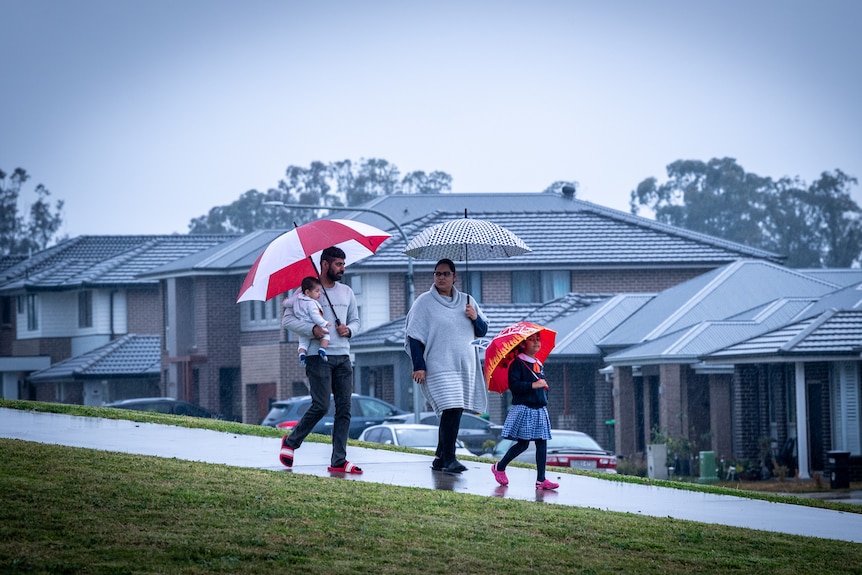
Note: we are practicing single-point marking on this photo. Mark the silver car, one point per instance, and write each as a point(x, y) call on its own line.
point(414, 435)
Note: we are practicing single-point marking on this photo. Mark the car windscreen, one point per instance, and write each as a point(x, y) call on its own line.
point(417, 437)
point(576, 442)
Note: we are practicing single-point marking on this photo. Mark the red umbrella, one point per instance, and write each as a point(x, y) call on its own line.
point(503, 349)
point(294, 255)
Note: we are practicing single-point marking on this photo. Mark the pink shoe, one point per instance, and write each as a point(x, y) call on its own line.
point(547, 484)
point(500, 476)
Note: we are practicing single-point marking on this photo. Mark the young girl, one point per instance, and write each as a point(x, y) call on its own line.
point(528, 418)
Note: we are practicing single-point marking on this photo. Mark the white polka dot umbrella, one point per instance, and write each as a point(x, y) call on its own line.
point(464, 239)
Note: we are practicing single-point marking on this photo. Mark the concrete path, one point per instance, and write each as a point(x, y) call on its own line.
point(410, 470)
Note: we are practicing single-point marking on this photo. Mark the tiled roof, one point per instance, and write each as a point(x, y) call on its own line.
point(94, 261)
point(848, 298)
point(579, 239)
point(591, 236)
point(7, 262)
point(838, 276)
point(128, 356)
point(404, 208)
point(715, 295)
point(688, 345)
point(499, 316)
point(833, 333)
point(233, 256)
point(579, 332)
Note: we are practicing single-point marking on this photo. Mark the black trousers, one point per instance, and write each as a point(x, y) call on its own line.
point(447, 434)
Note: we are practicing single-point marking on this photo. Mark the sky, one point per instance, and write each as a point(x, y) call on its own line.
point(143, 114)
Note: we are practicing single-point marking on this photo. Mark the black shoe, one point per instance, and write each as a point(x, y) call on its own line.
point(454, 467)
point(437, 464)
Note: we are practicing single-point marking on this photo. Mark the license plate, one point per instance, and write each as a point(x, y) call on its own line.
point(582, 463)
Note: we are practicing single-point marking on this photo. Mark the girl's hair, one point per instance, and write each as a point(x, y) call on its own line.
point(308, 283)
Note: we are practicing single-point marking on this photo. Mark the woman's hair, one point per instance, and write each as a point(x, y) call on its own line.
point(446, 262)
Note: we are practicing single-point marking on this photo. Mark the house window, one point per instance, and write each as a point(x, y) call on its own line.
point(85, 309)
point(32, 312)
point(537, 287)
point(845, 398)
point(355, 283)
point(7, 305)
point(261, 315)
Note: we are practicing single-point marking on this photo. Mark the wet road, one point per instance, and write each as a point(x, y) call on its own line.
point(413, 471)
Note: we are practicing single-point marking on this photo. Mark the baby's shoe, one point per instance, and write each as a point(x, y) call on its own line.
point(322, 353)
point(302, 359)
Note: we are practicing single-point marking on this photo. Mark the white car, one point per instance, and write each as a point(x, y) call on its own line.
point(414, 435)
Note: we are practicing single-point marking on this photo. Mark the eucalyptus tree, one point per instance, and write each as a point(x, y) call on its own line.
point(20, 235)
point(816, 225)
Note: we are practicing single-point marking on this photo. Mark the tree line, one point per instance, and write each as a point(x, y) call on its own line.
point(815, 225)
point(20, 235)
point(336, 184)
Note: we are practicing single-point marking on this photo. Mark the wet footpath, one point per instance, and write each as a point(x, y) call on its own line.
point(410, 470)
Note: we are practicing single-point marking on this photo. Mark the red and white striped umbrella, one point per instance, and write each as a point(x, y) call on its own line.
point(294, 255)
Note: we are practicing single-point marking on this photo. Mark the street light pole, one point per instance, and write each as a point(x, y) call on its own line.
point(410, 288)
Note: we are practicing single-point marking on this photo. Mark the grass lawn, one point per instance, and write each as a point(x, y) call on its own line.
point(67, 510)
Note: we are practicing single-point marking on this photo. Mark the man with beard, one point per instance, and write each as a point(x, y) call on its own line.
point(335, 374)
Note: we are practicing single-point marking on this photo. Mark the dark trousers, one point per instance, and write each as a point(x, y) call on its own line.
point(447, 434)
point(333, 377)
point(519, 447)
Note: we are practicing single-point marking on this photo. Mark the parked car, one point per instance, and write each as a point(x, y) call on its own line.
point(473, 433)
point(365, 411)
point(163, 405)
point(567, 449)
point(414, 435)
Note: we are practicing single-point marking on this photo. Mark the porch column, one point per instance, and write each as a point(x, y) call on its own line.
point(624, 412)
point(720, 409)
point(801, 422)
point(673, 401)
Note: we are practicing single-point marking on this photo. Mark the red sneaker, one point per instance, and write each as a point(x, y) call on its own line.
point(547, 484)
point(500, 476)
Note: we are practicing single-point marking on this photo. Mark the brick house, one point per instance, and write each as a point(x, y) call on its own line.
point(79, 296)
point(685, 366)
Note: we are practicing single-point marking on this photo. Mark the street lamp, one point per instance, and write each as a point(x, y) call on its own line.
point(410, 289)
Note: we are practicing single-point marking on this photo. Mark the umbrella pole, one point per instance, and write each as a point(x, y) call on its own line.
point(469, 284)
point(467, 271)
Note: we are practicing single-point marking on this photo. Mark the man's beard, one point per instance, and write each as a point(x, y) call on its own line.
point(333, 276)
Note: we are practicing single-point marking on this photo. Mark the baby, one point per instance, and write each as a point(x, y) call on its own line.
point(306, 307)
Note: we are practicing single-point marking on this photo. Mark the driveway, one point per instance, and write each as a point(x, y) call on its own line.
point(411, 470)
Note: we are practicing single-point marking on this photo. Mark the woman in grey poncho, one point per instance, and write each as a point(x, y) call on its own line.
point(440, 326)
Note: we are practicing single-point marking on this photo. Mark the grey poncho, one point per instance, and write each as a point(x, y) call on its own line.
point(453, 375)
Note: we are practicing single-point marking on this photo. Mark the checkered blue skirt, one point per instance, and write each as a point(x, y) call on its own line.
point(527, 423)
